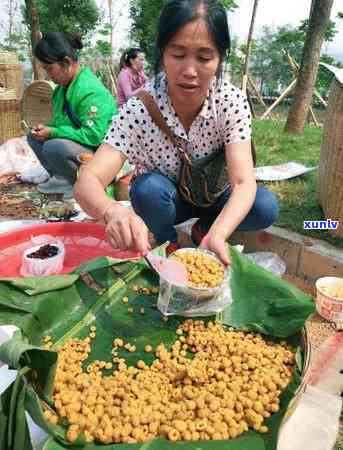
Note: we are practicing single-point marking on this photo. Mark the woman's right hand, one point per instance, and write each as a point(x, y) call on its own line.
point(125, 229)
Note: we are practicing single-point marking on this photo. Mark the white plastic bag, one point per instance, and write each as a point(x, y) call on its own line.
point(42, 267)
point(269, 261)
point(34, 174)
point(174, 300)
point(17, 156)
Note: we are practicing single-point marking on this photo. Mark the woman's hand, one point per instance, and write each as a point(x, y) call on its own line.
point(216, 243)
point(41, 133)
point(125, 229)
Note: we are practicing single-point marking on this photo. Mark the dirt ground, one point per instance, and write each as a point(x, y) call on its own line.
point(21, 201)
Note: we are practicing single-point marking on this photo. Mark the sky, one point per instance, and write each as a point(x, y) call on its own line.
point(270, 12)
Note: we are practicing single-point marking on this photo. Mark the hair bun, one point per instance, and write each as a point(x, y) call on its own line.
point(76, 41)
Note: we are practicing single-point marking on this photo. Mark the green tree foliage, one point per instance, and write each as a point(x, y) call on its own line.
point(15, 35)
point(329, 33)
point(70, 16)
point(103, 46)
point(236, 60)
point(144, 15)
point(269, 65)
point(16, 42)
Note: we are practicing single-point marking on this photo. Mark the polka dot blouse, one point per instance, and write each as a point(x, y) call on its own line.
point(225, 118)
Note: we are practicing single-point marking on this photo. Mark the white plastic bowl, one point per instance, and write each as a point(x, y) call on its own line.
point(43, 267)
point(328, 306)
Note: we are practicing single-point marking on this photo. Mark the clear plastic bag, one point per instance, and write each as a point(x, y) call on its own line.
point(17, 156)
point(194, 302)
point(34, 174)
point(42, 267)
point(269, 261)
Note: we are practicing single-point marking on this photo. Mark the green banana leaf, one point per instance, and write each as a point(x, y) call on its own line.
point(246, 442)
point(64, 307)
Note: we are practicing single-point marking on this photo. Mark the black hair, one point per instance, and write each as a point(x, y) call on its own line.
point(178, 13)
point(129, 54)
point(54, 47)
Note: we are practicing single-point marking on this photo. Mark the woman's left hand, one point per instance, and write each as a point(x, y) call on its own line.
point(41, 133)
point(216, 244)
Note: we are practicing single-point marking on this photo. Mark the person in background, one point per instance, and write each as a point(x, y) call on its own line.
point(82, 109)
point(204, 113)
point(131, 76)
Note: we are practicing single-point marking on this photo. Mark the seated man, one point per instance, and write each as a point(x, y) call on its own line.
point(82, 109)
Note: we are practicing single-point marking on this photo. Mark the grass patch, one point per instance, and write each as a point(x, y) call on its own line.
point(298, 196)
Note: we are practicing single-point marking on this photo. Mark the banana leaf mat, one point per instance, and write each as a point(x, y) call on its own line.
point(65, 306)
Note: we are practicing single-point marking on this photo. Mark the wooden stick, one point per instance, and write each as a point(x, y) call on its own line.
point(282, 96)
point(292, 62)
point(314, 118)
point(320, 98)
point(114, 76)
point(253, 112)
point(244, 83)
point(114, 88)
point(256, 91)
point(249, 43)
point(295, 67)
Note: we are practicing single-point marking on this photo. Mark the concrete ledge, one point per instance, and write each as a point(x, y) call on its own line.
point(306, 258)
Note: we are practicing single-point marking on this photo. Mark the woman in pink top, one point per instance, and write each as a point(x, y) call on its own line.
point(131, 76)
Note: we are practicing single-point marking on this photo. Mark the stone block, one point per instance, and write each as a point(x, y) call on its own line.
point(314, 264)
point(274, 240)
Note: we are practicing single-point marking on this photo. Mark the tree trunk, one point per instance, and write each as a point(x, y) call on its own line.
point(318, 21)
point(35, 35)
point(110, 16)
point(330, 176)
point(10, 23)
point(249, 43)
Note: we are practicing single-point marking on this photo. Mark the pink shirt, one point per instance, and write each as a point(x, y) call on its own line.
point(128, 82)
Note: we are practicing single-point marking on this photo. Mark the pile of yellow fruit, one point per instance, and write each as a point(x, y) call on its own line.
point(203, 270)
point(232, 383)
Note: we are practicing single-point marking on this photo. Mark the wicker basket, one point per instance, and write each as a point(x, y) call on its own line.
point(330, 186)
point(11, 73)
point(36, 103)
point(10, 115)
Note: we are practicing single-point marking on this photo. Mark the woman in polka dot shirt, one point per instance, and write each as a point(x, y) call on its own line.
point(203, 110)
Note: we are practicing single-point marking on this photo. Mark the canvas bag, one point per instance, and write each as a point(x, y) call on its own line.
point(202, 181)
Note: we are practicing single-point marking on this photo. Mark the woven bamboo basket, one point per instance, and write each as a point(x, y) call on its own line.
point(10, 115)
point(11, 73)
point(36, 103)
point(330, 183)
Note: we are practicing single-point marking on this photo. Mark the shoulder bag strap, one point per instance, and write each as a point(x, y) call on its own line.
point(157, 117)
point(67, 109)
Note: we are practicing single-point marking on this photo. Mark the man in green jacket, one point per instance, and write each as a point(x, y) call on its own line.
point(82, 110)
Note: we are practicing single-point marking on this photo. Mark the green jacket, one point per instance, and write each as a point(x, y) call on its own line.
point(92, 104)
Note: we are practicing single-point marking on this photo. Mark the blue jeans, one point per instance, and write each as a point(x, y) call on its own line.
point(157, 201)
point(59, 156)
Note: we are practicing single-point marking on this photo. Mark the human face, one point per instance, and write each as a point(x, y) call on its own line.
point(58, 73)
point(190, 61)
point(138, 62)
